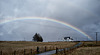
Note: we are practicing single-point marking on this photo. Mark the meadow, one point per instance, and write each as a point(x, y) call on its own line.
point(88, 48)
point(28, 47)
point(86, 51)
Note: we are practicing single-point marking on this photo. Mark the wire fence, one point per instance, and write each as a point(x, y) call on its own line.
point(37, 50)
point(65, 51)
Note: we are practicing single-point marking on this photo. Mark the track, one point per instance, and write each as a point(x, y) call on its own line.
point(54, 51)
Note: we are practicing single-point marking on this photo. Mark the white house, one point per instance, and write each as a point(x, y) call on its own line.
point(68, 39)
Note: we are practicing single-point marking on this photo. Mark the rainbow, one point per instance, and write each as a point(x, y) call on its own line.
point(47, 19)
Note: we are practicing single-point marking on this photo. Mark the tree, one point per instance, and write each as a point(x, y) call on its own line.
point(37, 38)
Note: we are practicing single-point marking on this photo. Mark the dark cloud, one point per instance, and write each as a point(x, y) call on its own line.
point(84, 14)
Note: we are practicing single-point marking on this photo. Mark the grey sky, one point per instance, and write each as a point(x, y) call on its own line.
point(83, 14)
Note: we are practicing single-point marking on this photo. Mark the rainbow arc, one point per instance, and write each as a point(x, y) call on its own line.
point(47, 19)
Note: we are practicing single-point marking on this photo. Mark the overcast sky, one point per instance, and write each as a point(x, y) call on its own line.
point(83, 14)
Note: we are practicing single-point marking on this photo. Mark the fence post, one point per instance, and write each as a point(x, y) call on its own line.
point(64, 52)
point(31, 51)
point(24, 51)
point(1, 52)
point(50, 47)
point(56, 50)
point(37, 50)
point(14, 52)
point(45, 49)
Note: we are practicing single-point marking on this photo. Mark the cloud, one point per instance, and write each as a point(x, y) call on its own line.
point(94, 27)
point(83, 14)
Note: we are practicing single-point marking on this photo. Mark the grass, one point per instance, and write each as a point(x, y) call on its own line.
point(91, 44)
point(86, 51)
point(8, 47)
point(89, 48)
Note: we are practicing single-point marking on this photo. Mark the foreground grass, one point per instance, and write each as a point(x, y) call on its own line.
point(86, 51)
point(8, 47)
point(88, 48)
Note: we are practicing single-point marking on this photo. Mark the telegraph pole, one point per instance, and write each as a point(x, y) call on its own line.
point(96, 36)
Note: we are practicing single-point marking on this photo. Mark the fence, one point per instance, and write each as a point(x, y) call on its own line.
point(37, 50)
point(66, 50)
